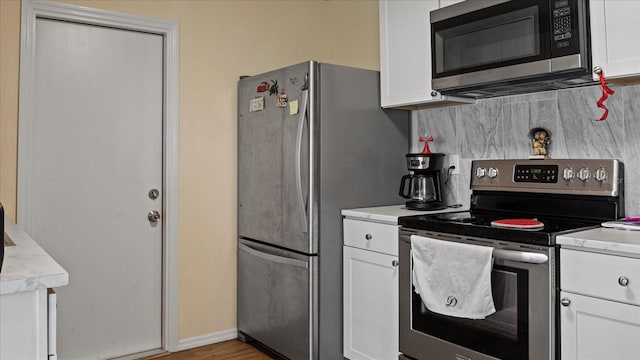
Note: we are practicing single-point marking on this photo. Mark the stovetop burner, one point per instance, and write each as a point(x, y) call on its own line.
point(479, 225)
point(550, 224)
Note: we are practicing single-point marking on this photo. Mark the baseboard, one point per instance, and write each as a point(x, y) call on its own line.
point(207, 339)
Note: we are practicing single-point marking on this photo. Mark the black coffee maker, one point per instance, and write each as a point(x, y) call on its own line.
point(422, 185)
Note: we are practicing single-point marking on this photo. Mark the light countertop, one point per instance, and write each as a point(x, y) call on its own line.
point(388, 214)
point(603, 239)
point(26, 265)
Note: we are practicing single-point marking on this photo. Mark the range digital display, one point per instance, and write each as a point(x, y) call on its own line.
point(536, 174)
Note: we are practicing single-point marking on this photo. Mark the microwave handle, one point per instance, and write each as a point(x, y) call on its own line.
point(520, 256)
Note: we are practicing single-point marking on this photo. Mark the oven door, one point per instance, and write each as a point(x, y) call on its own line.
point(522, 327)
point(474, 44)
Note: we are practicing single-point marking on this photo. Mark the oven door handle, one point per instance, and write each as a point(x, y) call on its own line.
point(520, 256)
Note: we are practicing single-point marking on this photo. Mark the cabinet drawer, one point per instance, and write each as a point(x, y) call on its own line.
point(371, 236)
point(600, 275)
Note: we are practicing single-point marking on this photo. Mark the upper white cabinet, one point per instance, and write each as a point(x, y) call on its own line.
point(615, 34)
point(405, 55)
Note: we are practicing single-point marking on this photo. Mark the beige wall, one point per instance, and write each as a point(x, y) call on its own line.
point(219, 41)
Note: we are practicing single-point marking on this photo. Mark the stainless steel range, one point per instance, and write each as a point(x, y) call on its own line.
point(556, 196)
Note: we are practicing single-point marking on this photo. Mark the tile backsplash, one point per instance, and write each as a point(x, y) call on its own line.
point(498, 128)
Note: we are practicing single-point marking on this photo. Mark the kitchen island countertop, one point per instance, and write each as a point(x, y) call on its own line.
point(603, 239)
point(26, 265)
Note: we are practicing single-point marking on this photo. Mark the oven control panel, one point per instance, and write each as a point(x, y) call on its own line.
point(569, 176)
point(536, 173)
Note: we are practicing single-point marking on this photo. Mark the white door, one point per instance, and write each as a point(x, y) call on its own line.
point(96, 152)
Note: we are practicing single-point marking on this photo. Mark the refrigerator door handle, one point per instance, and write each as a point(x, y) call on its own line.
point(274, 258)
point(303, 117)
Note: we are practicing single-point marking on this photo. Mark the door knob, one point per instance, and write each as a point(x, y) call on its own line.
point(395, 263)
point(565, 302)
point(153, 216)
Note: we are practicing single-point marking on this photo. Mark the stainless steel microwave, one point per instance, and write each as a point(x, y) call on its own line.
point(485, 48)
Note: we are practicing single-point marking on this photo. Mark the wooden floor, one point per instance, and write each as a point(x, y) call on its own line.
point(228, 350)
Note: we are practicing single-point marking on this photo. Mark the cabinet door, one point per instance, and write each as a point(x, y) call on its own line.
point(370, 305)
point(405, 55)
point(405, 58)
point(615, 30)
point(23, 325)
point(598, 329)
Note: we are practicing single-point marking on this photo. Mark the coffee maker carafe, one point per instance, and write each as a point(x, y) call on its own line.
point(422, 185)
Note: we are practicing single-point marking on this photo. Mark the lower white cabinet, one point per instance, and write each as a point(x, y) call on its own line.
point(370, 260)
point(28, 325)
point(599, 306)
point(598, 329)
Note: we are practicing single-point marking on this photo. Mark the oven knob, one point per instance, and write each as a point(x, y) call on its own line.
point(493, 173)
point(601, 175)
point(567, 173)
point(481, 172)
point(584, 174)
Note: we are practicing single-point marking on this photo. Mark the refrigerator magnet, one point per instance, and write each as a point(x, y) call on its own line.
point(262, 87)
point(256, 104)
point(273, 89)
point(293, 107)
point(282, 99)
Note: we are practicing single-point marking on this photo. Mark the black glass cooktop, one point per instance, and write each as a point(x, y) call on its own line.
point(478, 224)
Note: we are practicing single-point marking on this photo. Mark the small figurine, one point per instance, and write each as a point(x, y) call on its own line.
point(540, 142)
point(426, 139)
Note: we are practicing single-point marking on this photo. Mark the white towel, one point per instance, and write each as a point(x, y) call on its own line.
point(452, 278)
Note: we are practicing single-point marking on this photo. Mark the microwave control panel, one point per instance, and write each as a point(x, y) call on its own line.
point(562, 27)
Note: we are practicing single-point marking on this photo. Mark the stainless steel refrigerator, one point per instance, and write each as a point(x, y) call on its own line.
point(312, 140)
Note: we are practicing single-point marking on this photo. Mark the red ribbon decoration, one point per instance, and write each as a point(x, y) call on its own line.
point(606, 91)
point(426, 149)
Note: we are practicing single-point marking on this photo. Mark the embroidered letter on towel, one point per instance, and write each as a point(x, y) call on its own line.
point(452, 278)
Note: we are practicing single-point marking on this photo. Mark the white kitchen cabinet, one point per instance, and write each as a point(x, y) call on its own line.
point(405, 55)
point(598, 329)
point(28, 325)
point(27, 300)
point(370, 264)
point(600, 305)
point(615, 33)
